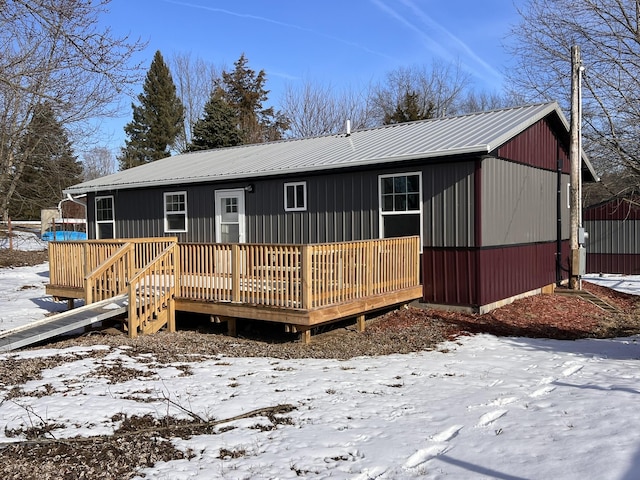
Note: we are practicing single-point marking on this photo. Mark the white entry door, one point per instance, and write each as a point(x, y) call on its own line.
point(230, 216)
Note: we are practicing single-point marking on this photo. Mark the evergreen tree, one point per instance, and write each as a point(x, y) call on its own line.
point(409, 110)
point(157, 121)
point(49, 165)
point(218, 127)
point(245, 93)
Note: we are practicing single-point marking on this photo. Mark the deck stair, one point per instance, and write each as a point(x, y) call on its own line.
point(62, 323)
point(587, 296)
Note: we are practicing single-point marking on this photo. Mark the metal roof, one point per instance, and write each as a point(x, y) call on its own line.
point(474, 133)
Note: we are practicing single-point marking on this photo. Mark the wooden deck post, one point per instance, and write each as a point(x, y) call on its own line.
point(369, 280)
point(131, 266)
point(235, 272)
point(306, 275)
point(360, 322)
point(305, 336)
point(171, 315)
point(132, 314)
point(232, 327)
point(87, 268)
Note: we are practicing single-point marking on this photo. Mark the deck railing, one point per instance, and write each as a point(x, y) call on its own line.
point(111, 277)
point(288, 276)
point(298, 276)
point(71, 262)
point(152, 292)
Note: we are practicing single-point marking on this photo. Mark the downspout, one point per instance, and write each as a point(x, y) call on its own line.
point(74, 200)
point(71, 198)
point(559, 222)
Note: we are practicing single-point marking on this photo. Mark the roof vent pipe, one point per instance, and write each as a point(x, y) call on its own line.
point(348, 127)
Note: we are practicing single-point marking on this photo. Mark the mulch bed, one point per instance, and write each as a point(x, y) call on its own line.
point(539, 316)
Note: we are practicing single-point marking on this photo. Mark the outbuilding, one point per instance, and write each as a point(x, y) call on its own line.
point(486, 193)
point(613, 244)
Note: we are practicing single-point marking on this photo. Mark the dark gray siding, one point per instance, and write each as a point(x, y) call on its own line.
point(519, 204)
point(448, 205)
point(340, 207)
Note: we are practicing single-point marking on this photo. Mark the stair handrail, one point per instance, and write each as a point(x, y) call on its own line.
point(112, 275)
point(152, 291)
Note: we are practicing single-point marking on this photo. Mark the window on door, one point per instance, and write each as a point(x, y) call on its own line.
point(105, 219)
point(175, 212)
point(400, 205)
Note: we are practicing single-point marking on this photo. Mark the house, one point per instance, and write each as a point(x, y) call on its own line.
point(613, 244)
point(486, 193)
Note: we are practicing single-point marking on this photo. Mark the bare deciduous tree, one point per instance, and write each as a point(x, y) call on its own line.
point(438, 90)
point(607, 32)
point(98, 162)
point(483, 101)
point(195, 79)
point(316, 109)
point(56, 52)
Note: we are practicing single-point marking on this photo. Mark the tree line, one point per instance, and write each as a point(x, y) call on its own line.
point(235, 111)
point(60, 71)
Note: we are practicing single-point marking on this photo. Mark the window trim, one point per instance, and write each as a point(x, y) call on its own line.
point(184, 212)
point(113, 215)
point(382, 214)
point(296, 208)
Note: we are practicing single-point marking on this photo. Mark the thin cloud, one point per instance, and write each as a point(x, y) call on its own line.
point(436, 46)
point(281, 24)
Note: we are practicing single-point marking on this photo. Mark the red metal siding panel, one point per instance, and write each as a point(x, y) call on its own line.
point(509, 271)
point(628, 264)
point(613, 210)
point(537, 146)
point(449, 276)
point(476, 277)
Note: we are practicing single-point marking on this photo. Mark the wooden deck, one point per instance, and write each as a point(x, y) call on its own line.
point(300, 286)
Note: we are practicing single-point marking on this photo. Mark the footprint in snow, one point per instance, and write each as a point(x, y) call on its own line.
point(502, 401)
point(447, 434)
point(567, 372)
point(543, 391)
point(425, 454)
point(371, 473)
point(490, 417)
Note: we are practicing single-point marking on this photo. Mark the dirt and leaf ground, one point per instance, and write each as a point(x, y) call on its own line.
point(141, 441)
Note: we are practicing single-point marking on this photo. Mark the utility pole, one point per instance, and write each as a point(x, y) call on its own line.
point(576, 162)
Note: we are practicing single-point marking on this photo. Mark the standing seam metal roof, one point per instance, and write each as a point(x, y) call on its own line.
point(474, 133)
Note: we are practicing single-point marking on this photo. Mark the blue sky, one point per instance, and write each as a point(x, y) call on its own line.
point(347, 43)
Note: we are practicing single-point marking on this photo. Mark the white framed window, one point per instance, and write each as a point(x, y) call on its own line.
point(295, 196)
point(105, 218)
point(175, 211)
point(400, 204)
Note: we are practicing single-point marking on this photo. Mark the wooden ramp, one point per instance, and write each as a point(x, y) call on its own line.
point(589, 297)
point(62, 323)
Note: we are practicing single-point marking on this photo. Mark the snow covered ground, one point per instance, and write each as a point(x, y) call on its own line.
point(480, 407)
